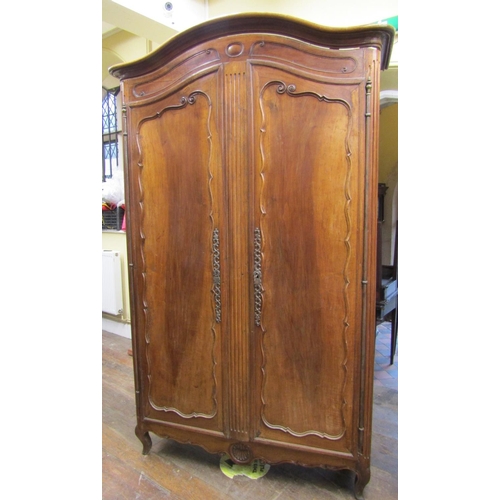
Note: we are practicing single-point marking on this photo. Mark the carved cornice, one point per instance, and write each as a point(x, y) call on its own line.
point(380, 36)
point(176, 73)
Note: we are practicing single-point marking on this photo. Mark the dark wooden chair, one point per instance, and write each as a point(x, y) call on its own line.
point(387, 281)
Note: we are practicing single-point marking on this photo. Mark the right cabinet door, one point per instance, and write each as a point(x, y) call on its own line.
point(308, 211)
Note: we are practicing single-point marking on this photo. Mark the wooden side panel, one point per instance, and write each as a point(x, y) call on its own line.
point(176, 204)
point(308, 210)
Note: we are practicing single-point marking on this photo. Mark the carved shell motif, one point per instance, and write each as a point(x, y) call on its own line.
point(240, 453)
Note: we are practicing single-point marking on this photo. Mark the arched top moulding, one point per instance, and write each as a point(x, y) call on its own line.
point(381, 36)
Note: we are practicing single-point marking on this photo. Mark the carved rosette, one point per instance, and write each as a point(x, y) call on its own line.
point(235, 49)
point(240, 453)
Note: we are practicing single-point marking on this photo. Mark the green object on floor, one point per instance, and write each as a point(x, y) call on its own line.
point(254, 470)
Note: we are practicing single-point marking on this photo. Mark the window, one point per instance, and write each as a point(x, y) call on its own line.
point(113, 208)
point(109, 133)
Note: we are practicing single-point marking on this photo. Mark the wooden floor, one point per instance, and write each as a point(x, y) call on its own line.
point(175, 471)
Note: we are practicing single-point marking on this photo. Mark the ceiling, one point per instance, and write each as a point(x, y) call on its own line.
point(151, 19)
point(159, 20)
point(107, 28)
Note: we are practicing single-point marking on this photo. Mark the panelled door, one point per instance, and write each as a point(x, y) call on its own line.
point(309, 199)
point(177, 192)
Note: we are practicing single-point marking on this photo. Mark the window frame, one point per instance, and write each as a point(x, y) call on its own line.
point(112, 137)
point(111, 132)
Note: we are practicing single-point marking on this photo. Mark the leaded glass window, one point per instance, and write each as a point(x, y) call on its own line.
point(109, 134)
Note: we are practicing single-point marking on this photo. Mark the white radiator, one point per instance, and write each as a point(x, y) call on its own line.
point(112, 297)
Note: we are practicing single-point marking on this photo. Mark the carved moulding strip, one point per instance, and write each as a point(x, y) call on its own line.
point(326, 64)
point(364, 277)
point(191, 99)
point(291, 90)
point(332, 79)
point(211, 55)
point(234, 116)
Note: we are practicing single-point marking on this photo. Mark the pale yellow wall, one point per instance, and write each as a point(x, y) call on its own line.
point(388, 145)
point(126, 46)
point(388, 174)
point(122, 47)
point(389, 79)
point(109, 58)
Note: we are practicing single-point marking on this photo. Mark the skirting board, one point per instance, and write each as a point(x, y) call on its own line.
point(117, 327)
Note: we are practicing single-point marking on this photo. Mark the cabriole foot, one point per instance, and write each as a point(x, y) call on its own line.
point(145, 439)
point(360, 481)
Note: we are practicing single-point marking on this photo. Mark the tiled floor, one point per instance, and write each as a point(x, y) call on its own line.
point(385, 374)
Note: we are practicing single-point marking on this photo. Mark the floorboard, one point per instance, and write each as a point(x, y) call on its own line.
point(177, 471)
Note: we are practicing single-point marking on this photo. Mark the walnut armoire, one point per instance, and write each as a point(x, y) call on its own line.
point(251, 197)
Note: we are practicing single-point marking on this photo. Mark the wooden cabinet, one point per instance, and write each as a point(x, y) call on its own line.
point(251, 195)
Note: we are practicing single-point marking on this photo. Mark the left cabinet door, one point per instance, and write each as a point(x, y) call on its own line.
point(175, 196)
